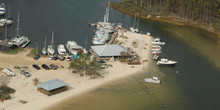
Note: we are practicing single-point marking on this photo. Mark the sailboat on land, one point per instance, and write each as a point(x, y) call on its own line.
point(44, 51)
point(50, 49)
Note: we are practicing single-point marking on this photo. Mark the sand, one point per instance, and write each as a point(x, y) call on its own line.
point(25, 90)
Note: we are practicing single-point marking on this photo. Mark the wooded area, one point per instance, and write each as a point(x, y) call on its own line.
point(204, 12)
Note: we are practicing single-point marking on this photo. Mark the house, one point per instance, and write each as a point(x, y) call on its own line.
point(109, 51)
point(52, 87)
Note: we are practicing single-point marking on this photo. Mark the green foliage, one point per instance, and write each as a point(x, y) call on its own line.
point(88, 65)
point(32, 53)
point(5, 92)
point(200, 11)
point(13, 51)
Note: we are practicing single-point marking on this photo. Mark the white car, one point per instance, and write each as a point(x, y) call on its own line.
point(8, 72)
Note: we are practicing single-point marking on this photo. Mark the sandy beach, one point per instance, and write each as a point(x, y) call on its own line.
point(25, 90)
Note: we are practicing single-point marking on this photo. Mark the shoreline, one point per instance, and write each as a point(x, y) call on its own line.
point(170, 21)
point(76, 83)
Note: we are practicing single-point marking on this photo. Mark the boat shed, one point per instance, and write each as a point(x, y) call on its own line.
point(52, 87)
point(108, 51)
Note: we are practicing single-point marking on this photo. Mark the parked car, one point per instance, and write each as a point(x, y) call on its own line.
point(69, 58)
point(25, 73)
point(36, 66)
point(53, 57)
point(36, 57)
point(61, 58)
point(45, 67)
point(53, 66)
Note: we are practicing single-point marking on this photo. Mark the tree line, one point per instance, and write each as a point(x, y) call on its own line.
point(205, 12)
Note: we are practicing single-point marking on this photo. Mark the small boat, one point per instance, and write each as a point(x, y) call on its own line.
point(73, 47)
point(44, 51)
point(157, 41)
point(155, 57)
point(61, 50)
point(166, 62)
point(2, 9)
point(25, 43)
point(156, 52)
point(152, 80)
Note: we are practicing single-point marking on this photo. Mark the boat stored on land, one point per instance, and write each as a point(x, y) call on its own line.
point(152, 80)
point(44, 51)
point(61, 50)
point(73, 47)
point(166, 62)
point(50, 49)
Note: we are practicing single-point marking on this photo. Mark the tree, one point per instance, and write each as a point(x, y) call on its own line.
point(87, 65)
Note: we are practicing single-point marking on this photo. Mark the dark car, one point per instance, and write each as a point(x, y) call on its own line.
point(62, 58)
point(53, 66)
point(36, 66)
point(45, 67)
point(36, 57)
point(25, 73)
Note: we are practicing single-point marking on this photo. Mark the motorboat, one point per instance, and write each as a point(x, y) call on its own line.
point(50, 50)
point(17, 41)
point(61, 50)
point(152, 80)
point(166, 62)
point(25, 43)
point(157, 41)
point(155, 57)
point(73, 47)
point(2, 9)
point(156, 52)
point(8, 72)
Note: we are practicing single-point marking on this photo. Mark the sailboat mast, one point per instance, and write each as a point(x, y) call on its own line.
point(17, 29)
point(45, 41)
point(9, 10)
point(138, 23)
point(86, 43)
point(108, 11)
point(134, 20)
point(52, 39)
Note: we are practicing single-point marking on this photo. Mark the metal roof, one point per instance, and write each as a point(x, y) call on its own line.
point(108, 50)
point(52, 84)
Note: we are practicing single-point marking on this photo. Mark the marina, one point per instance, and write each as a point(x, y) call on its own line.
point(182, 85)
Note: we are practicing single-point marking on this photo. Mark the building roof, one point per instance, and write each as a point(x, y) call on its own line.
point(52, 84)
point(108, 50)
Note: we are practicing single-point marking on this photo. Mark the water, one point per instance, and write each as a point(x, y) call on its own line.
point(195, 87)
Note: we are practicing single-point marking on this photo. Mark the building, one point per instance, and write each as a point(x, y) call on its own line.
point(52, 87)
point(108, 51)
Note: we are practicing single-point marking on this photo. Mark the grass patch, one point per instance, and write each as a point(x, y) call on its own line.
point(14, 51)
point(124, 37)
point(32, 53)
point(116, 41)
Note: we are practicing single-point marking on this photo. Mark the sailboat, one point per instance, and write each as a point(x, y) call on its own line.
point(18, 40)
point(50, 49)
point(44, 51)
point(133, 29)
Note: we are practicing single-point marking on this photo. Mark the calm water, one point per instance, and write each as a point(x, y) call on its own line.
point(195, 87)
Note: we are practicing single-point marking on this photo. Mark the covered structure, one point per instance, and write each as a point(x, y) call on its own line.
point(52, 87)
point(108, 51)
